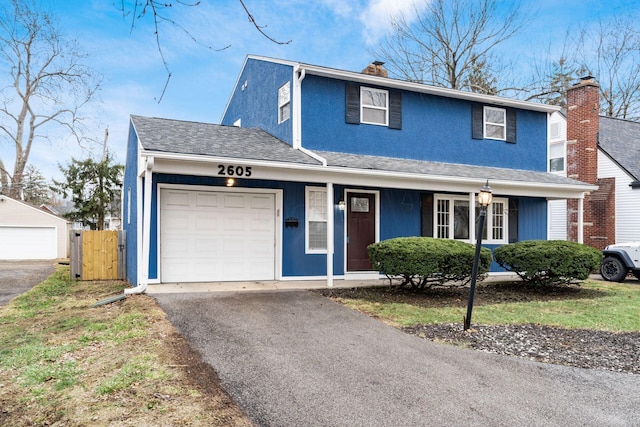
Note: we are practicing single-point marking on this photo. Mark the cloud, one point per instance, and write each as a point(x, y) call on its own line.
point(378, 15)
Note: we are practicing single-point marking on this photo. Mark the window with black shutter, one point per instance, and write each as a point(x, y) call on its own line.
point(373, 106)
point(489, 122)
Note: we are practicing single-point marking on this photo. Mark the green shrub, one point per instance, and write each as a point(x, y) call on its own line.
point(424, 261)
point(548, 262)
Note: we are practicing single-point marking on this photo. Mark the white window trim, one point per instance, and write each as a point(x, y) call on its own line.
point(485, 122)
point(284, 103)
point(373, 107)
point(488, 220)
point(564, 156)
point(307, 192)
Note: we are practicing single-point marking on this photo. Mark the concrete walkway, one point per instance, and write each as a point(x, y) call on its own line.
point(293, 358)
point(284, 285)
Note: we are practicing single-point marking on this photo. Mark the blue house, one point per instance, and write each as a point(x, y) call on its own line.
point(311, 164)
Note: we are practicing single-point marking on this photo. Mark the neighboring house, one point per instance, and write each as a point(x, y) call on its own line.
point(606, 152)
point(28, 232)
point(557, 223)
point(312, 164)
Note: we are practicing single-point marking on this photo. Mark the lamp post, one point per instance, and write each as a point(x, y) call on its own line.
point(484, 199)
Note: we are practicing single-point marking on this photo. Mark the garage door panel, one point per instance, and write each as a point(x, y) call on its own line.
point(234, 201)
point(219, 237)
point(175, 198)
point(207, 199)
point(261, 202)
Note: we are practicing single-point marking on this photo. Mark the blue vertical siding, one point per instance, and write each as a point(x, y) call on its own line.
point(257, 104)
point(130, 228)
point(532, 219)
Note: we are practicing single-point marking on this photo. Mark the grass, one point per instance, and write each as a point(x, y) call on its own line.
point(63, 362)
point(593, 305)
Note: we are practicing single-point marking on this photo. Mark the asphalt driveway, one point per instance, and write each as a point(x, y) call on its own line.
point(293, 358)
point(17, 277)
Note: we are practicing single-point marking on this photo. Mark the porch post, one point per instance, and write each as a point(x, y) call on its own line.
point(146, 221)
point(581, 220)
point(472, 216)
point(330, 238)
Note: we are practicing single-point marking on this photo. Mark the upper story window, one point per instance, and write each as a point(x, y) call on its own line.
point(556, 157)
point(495, 123)
point(374, 104)
point(284, 103)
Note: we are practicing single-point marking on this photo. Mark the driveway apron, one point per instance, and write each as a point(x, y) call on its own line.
point(17, 277)
point(295, 358)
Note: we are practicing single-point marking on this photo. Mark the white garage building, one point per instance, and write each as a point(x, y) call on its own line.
point(27, 232)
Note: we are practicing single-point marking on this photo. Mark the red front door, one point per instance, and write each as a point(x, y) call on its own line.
point(361, 230)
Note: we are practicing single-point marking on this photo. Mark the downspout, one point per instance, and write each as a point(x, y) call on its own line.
point(146, 230)
point(299, 75)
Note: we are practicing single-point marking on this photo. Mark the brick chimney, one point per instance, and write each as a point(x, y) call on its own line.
point(582, 130)
point(376, 69)
point(583, 100)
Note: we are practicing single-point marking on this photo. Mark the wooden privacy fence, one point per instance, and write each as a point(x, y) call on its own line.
point(98, 255)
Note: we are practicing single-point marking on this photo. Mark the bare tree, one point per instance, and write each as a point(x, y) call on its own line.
point(611, 53)
point(35, 187)
point(160, 12)
point(552, 80)
point(452, 43)
point(48, 85)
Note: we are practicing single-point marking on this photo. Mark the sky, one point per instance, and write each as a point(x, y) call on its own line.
point(335, 33)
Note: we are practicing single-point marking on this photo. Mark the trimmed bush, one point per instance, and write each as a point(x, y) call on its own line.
point(424, 261)
point(548, 262)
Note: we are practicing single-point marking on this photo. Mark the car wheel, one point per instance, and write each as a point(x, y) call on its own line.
point(613, 270)
point(637, 274)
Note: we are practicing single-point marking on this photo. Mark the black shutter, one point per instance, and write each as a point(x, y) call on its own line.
point(511, 125)
point(353, 103)
point(513, 220)
point(426, 215)
point(395, 109)
point(477, 121)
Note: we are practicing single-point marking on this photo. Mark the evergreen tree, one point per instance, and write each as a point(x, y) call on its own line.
point(94, 188)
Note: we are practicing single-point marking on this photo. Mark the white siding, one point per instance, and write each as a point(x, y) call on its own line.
point(557, 220)
point(627, 200)
point(21, 216)
point(557, 209)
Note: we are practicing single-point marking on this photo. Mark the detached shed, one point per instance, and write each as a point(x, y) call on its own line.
point(27, 232)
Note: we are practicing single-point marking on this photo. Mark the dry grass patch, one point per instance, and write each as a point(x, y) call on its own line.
point(63, 362)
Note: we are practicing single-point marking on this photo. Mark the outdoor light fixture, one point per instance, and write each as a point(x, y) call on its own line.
point(341, 205)
point(231, 182)
point(484, 199)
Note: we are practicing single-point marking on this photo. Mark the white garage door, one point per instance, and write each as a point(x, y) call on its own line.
point(28, 243)
point(208, 236)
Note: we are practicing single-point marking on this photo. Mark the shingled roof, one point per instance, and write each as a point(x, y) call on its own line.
point(194, 138)
point(620, 139)
point(206, 139)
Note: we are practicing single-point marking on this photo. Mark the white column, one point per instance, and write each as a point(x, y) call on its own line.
point(472, 217)
point(146, 222)
point(330, 237)
point(581, 220)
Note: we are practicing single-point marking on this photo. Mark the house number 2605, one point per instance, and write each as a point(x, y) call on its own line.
point(230, 170)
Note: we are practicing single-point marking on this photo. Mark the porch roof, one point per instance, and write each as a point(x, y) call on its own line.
point(204, 142)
